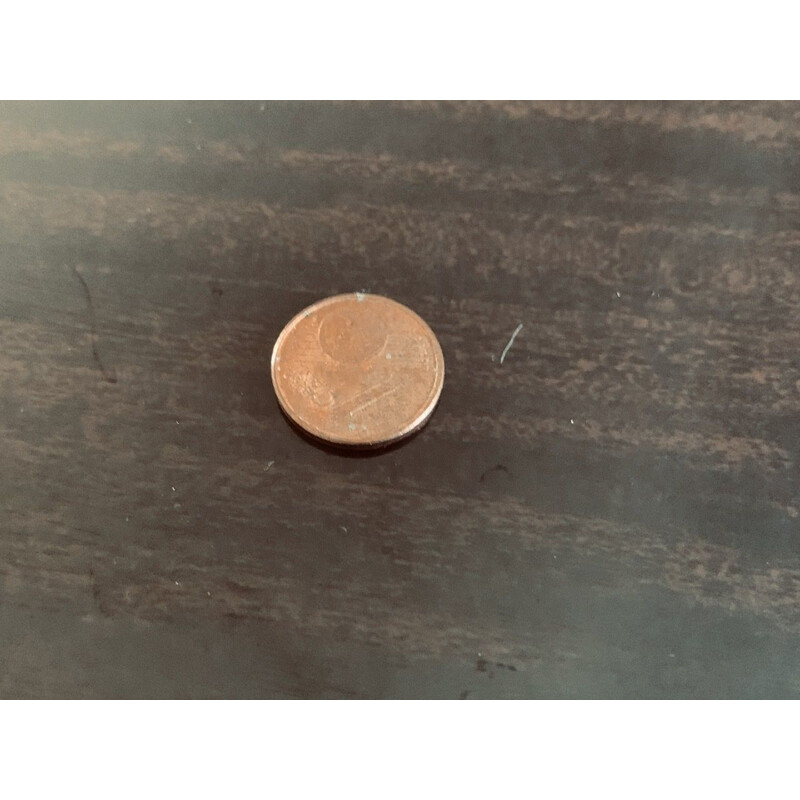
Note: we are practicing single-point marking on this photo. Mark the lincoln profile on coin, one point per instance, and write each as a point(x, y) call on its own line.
point(358, 370)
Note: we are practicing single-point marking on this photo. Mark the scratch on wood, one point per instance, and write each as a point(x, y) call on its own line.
point(109, 376)
point(510, 342)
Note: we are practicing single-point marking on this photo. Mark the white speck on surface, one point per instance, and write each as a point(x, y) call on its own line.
point(173, 488)
point(572, 422)
point(269, 464)
point(127, 518)
point(343, 528)
point(510, 342)
point(360, 297)
point(389, 356)
point(672, 655)
point(188, 120)
point(177, 422)
point(177, 583)
point(351, 426)
point(208, 593)
point(618, 294)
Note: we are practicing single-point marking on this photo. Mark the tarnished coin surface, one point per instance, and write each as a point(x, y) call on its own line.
point(358, 370)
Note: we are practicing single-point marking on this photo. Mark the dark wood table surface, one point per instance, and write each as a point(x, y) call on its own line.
point(613, 511)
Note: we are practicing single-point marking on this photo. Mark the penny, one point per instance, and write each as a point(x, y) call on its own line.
point(358, 369)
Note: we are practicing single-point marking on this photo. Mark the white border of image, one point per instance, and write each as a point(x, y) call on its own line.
point(417, 50)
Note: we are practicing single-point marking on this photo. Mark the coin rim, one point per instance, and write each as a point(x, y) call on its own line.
point(317, 432)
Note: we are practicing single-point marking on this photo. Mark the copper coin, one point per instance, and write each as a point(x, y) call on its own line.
point(358, 369)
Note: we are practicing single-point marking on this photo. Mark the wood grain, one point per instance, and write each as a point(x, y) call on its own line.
point(612, 511)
